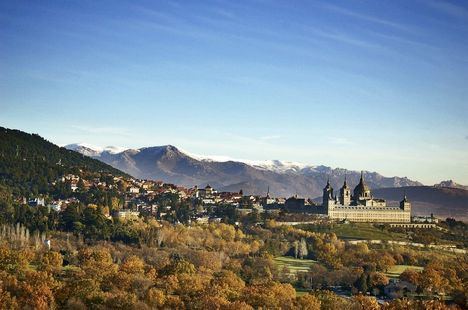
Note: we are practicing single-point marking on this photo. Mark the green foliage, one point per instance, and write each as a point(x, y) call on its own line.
point(29, 164)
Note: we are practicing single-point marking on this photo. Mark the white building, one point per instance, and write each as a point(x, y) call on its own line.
point(362, 207)
point(133, 190)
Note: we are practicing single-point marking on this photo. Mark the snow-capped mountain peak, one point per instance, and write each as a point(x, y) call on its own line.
point(279, 165)
point(85, 149)
point(284, 178)
point(269, 165)
point(92, 150)
point(274, 165)
point(114, 149)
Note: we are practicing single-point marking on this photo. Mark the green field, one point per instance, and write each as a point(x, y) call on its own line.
point(301, 292)
point(362, 231)
point(365, 231)
point(397, 270)
point(294, 265)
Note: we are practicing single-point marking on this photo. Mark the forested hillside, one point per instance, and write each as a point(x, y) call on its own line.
point(29, 164)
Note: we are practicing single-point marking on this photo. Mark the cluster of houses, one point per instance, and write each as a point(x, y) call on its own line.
point(56, 205)
point(142, 196)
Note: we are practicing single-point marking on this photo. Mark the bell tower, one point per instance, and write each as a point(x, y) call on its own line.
point(405, 204)
point(345, 194)
point(328, 199)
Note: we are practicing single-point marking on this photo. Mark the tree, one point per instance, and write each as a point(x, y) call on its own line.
point(296, 248)
point(303, 249)
point(361, 283)
point(155, 298)
point(227, 284)
point(35, 290)
point(7, 301)
point(365, 303)
point(377, 282)
point(115, 204)
point(330, 301)
point(411, 276)
point(69, 217)
point(307, 302)
point(271, 294)
point(96, 224)
point(432, 281)
point(133, 265)
point(378, 279)
point(51, 261)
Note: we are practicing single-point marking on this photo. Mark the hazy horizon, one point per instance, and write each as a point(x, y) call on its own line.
point(359, 85)
point(224, 157)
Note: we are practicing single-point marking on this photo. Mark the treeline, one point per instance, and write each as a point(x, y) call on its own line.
point(86, 222)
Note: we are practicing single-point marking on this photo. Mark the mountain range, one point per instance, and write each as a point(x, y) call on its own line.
point(28, 163)
point(284, 179)
point(281, 178)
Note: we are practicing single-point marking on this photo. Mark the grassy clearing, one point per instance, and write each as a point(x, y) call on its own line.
point(397, 270)
point(293, 265)
point(363, 231)
point(301, 292)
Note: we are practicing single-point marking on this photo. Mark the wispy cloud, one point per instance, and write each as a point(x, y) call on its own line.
point(404, 40)
point(343, 38)
point(366, 17)
point(448, 8)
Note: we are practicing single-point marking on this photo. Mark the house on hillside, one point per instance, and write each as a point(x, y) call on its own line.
point(127, 214)
point(398, 289)
point(36, 202)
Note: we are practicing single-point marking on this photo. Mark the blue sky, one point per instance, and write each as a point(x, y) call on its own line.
point(373, 85)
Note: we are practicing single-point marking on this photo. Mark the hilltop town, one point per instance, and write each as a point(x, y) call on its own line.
point(169, 202)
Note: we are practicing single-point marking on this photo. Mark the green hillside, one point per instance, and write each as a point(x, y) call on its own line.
point(29, 163)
